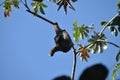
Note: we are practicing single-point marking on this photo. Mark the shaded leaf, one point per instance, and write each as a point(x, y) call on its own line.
point(97, 43)
point(16, 3)
point(64, 3)
point(114, 30)
point(119, 28)
point(118, 56)
point(38, 7)
point(41, 10)
point(103, 23)
point(116, 68)
point(73, 0)
point(116, 21)
point(118, 5)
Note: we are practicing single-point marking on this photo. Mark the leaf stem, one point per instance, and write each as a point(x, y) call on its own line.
point(113, 44)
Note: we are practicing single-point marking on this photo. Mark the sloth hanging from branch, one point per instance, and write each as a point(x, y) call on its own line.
point(62, 39)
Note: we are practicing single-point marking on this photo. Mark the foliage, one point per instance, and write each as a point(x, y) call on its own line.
point(63, 3)
point(38, 6)
point(114, 26)
point(96, 42)
point(79, 32)
point(118, 56)
point(116, 68)
point(7, 6)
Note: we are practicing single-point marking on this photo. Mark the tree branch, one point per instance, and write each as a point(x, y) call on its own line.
point(108, 24)
point(41, 17)
point(113, 44)
point(45, 19)
point(74, 63)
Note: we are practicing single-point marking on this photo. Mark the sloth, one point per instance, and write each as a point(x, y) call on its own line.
point(62, 40)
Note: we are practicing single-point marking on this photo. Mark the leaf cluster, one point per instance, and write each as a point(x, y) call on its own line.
point(7, 6)
point(64, 3)
point(114, 26)
point(97, 43)
point(38, 6)
point(116, 67)
point(79, 31)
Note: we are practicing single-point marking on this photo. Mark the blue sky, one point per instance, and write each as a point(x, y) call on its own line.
point(26, 41)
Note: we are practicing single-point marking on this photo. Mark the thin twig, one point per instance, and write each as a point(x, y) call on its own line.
point(109, 43)
point(113, 44)
point(108, 24)
point(41, 17)
point(25, 4)
point(74, 63)
point(45, 19)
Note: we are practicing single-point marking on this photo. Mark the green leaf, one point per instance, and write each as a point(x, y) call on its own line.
point(76, 35)
point(98, 43)
point(116, 21)
point(90, 40)
point(76, 32)
point(85, 34)
point(81, 36)
point(112, 28)
point(83, 31)
point(116, 32)
point(75, 24)
point(16, 3)
point(118, 56)
point(103, 23)
point(41, 10)
point(36, 10)
point(7, 4)
point(79, 32)
point(116, 68)
point(95, 48)
point(73, 0)
point(101, 48)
